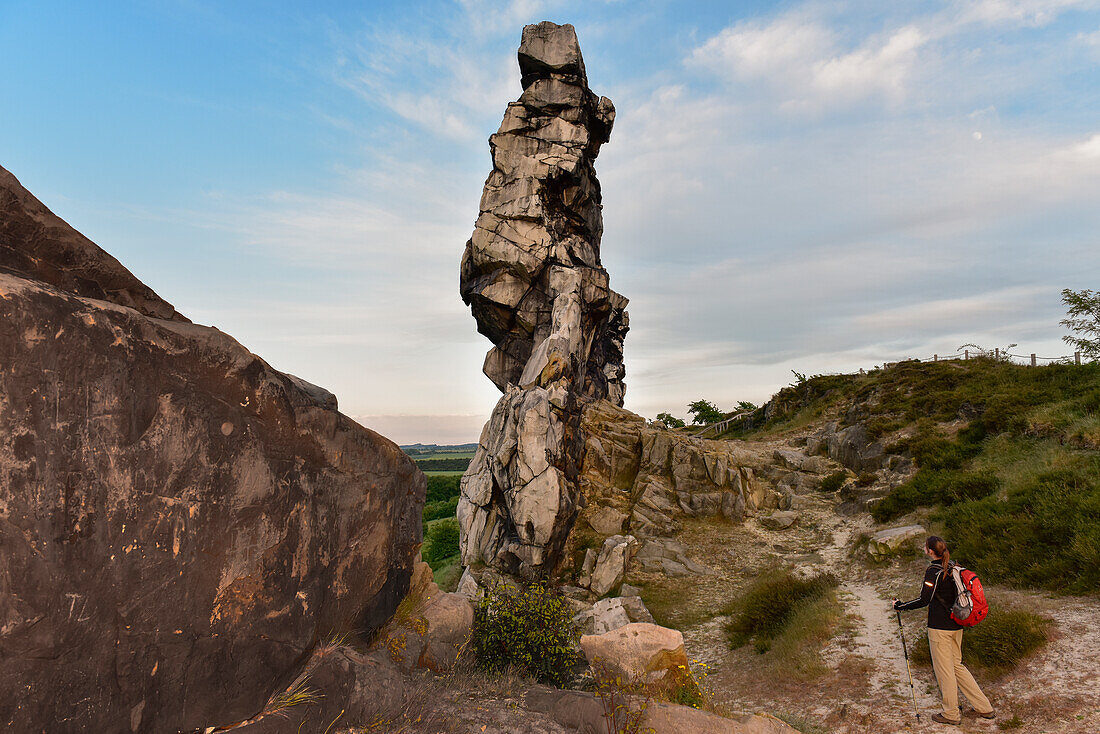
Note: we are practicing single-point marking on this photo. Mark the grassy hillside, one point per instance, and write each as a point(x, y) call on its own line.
point(1007, 457)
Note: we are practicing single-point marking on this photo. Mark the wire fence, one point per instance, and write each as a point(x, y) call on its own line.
point(1000, 355)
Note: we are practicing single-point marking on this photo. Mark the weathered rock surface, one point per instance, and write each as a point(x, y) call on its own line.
point(638, 651)
point(532, 276)
point(780, 520)
point(611, 614)
point(37, 244)
point(885, 542)
point(654, 476)
point(851, 447)
point(611, 564)
point(667, 556)
point(179, 522)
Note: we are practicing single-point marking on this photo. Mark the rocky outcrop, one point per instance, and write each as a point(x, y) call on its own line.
point(638, 652)
point(179, 522)
point(888, 542)
point(38, 244)
point(532, 276)
point(605, 570)
point(611, 614)
point(652, 476)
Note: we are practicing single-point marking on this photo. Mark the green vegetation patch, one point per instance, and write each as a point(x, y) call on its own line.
point(440, 542)
point(442, 487)
point(766, 609)
point(1044, 534)
point(530, 629)
point(440, 510)
point(834, 481)
point(1000, 643)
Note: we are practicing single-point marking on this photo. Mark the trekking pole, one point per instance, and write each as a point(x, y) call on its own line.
point(912, 689)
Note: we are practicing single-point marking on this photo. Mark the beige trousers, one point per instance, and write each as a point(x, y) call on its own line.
point(951, 674)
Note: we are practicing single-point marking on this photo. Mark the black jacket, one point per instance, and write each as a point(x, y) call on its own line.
point(939, 604)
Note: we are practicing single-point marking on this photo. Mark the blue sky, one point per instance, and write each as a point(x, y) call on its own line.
point(816, 186)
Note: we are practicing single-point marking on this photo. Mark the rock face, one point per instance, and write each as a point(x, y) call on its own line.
point(179, 522)
point(638, 651)
point(886, 542)
point(38, 244)
point(532, 276)
point(653, 476)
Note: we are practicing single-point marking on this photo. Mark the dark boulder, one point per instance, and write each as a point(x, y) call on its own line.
point(180, 523)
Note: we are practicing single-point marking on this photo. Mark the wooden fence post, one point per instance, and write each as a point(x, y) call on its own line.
point(996, 353)
point(966, 354)
point(935, 358)
point(1077, 358)
point(1033, 359)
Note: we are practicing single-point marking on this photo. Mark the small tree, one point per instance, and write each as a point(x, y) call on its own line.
point(1084, 318)
point(670, 420)
point(744, 405)
point(704, 412)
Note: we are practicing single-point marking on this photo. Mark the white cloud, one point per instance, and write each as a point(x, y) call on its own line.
point(1087, 151)
point(1023, 12)
point(804, 62)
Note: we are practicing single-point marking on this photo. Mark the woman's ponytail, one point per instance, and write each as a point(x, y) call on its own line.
point(937, 545)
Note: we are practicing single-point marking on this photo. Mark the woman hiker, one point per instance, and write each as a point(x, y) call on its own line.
point(945, 638)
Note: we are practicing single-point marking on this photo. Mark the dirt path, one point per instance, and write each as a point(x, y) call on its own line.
point(866, 689)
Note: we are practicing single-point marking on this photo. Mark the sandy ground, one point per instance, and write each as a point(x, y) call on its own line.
point(865, 687)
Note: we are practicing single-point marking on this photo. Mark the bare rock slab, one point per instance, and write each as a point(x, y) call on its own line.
point(780, 520)
point(638, 651)
point(886, 542)
point(179, 522)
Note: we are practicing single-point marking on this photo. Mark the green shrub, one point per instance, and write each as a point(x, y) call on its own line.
point(440, 509)
point(834, 481)
point(767, 606)
point(933, 487)
point(866, 479)
point(999, 643)
point(440, 542)
point(530, 629)
point(1045, 534)
point(442, 487)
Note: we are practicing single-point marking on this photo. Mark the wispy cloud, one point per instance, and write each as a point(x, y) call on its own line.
point(803, 62)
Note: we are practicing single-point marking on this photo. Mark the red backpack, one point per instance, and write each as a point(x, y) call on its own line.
point(970, 606)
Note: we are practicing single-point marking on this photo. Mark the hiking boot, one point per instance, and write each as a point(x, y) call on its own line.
point(987, 715)
point(941, 719)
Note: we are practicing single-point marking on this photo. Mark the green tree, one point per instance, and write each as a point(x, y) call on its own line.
point(704, 412)
point(1084, 318)
point(743, 405)
point(670, 420)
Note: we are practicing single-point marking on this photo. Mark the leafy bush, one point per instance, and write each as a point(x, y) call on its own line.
point(531, 629)
point(931, 487)
point(764, 610)
point(866, 479)
point(1045, 534)
point(440, 542)
point(442, 487)
point(999, 643)
point(440, 509)
point(834, 481)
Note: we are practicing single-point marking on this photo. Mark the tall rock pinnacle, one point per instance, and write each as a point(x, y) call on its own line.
point(532, 276)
